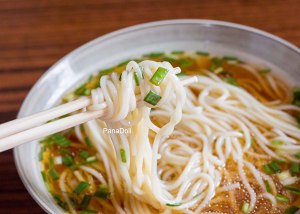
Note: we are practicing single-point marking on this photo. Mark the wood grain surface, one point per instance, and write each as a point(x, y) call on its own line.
point(34, 34)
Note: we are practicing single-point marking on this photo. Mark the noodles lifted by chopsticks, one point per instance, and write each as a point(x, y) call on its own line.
point(186, 149)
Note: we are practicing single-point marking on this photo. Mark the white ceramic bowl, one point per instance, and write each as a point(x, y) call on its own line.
point(205, 35)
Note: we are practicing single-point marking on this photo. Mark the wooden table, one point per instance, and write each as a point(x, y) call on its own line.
point(35, 34)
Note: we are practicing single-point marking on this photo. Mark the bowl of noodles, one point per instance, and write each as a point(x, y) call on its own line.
point(228, 143)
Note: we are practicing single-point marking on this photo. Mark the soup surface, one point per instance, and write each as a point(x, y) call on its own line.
point(74, 168)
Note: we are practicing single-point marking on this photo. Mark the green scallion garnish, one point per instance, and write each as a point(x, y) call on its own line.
point(102, 192)
point(291, 210)
point(53, 174)
point(296, 100)
point(64, 151)
point(177, 52)
point(85, 201)
point(44, 176)
point(282, 198)
point(181, 74)
point(106, 71)
point(41, 153)
point(159, 76)
point(67, 160)
point(293, 190)
point(264, 71)
point(80, 90)
point(297, 155)
point(81, 187)
point(154, 54)
point(136, 79)
point(176, 204)
point(88, 212)
point(185, 62)
point(88, 141)
point(272, 167)
point(51, 163)
point(60, 202)
point(84, 154)
point(245, 207)
point(268, 187)
point(123, 155)
point(276, 142)
point(230, 58)
point(295, 168)
point(60, 140)
point(202, 53)
point(231, 81)
point(152, 98)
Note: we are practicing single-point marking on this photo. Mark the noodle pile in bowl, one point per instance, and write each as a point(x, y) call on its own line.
point(228, 143)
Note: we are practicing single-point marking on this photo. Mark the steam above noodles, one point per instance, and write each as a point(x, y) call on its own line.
point(187, 151)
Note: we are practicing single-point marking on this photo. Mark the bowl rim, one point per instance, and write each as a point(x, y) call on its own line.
point(204, 22)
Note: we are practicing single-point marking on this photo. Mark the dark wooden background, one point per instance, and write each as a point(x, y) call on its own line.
point(34, 34)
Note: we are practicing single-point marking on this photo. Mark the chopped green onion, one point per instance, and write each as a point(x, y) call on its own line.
point(53, 174)
point(88, 141)
point(44, 176)
point(67, 160)
point(185, 62)
point(295, 168)
point(84, 154)
point(169, 59)
point(123, 155)
point(41, 153)
point(264, 71)
point(87, 92)
point(267, 169)
point(152, 98)
point(88, 212)
point(173, 204)
point(73, 167)
point(202, 53)
point(296, 100)
point(154, 54)
point(297, 155)
point(282, 198)
point(136, 79)
point(85, 201)
point(102, 192)
point(91, 159)
point(58, 200)
point(177, 52)
point(230, 58)
point(81, 187)
point(291, 210)
point(64, 151)
point(293, 190)
point(159, 76)
point(245, 207)
point(276, 143)
point(231, 81)
point(268, 187)
point(275, 167)
point(106, 71)
point(217, 61)
point(181, 74)
point(51, 163)
point(80, 90)
point(61, 140)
